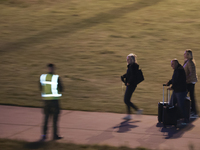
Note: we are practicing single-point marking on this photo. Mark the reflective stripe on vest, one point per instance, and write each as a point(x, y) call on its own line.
point(53, 83)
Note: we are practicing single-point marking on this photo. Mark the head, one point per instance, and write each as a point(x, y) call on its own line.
point(51, 68)
point(188, 54)
point(174, 63)
point(131, 58)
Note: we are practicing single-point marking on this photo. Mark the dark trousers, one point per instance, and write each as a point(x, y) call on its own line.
point(51, 108)
point(127, 98)
point(179, 99)
point(190, 88)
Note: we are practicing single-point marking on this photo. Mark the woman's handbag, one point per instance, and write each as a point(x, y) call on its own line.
point(139, 76)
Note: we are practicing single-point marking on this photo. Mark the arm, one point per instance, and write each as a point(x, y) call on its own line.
point(123, 77)
point(191, 71)
point(169, 82)
point(40, 86)
point(60, 86)
point(178, 79)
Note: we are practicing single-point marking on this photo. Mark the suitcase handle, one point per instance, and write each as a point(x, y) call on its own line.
point(168, 94)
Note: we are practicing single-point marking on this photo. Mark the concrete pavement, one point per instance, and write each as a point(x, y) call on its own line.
point(100, 128)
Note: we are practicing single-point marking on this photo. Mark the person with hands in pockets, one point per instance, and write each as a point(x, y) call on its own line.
point(50, 86)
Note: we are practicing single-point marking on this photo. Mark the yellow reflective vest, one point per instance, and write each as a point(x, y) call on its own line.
point(49, 84)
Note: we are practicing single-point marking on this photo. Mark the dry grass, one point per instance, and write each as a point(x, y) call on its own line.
point(22, 145)
point(88, 41)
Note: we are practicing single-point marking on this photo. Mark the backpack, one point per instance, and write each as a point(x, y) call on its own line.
point(139, 76)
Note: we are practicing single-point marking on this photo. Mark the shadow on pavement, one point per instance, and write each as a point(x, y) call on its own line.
point(125, 126)
point(105, 135)
point(172, 132)
point(108, 134)
point(35, 145)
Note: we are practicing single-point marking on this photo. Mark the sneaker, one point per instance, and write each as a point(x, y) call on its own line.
point(139, 111)
point(187, 97)
point(128, 117)
point(183, 123)
point(43, 138)
point(57, 137)
point(192, 113)
point(194, 116)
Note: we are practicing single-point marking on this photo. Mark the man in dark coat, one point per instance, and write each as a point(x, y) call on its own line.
point(178, 82)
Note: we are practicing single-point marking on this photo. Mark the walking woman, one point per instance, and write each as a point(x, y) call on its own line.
point(130, 81)
point(191, 79)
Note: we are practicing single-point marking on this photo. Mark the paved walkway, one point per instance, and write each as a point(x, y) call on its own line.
point(81, 127)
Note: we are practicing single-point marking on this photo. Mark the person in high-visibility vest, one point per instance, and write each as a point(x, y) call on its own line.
point(50, 86)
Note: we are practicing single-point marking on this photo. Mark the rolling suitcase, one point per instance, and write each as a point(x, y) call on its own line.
point(160, 107)
point(170, 113)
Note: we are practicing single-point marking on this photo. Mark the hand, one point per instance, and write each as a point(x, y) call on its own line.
point(127, 84)
point(122, 78)
point(167, 84)
point(169, 88)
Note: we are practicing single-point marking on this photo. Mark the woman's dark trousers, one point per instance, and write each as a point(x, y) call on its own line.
point(127, 98)
point(190, 88)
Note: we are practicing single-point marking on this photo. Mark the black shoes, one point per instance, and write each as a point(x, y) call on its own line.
point(54, 138)
point(43, 138)
point(57, 137)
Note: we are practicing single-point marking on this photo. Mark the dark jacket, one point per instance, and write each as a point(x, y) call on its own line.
point(130, 76)
point(178, 80)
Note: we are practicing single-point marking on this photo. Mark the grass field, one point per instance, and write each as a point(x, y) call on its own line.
point(22, 145)
point(88, 41)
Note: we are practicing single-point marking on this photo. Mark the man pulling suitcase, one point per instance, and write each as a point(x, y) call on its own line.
point(179, 93)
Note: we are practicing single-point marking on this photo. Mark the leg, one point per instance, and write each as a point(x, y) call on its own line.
point(55, 120)
point(190, 88)
point(133, 106)
point(127, 98)
point(56, 112)
point(173, 100)
point(181, 103)
point(46, 118)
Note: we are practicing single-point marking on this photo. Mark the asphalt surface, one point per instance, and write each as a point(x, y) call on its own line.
point(80, 127)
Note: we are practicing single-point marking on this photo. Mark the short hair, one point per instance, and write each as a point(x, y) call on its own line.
point(133, 57)
point(50, 65)
point(189, 51)
point(175, 60)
